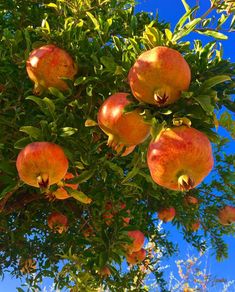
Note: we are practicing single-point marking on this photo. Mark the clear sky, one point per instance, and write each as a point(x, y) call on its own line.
point(171, 11)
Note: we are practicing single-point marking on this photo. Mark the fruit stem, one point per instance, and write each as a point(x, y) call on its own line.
point(185, 182)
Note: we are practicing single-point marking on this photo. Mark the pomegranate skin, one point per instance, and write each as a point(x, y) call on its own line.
point(47, 64)
point(159, 76)
point(123, 129)
point(180, 158)
point(41, 164)
point(58, 222)
point(226, 215)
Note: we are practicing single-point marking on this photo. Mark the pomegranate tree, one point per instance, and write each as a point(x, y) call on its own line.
point(41, 164)
point(180, 158)
point(47, 65)
point(159, 76)
point(123, 129)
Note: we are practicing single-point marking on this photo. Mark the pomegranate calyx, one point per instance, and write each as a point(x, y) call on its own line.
point(160, 98)
point(185, 182)
point(43, 181)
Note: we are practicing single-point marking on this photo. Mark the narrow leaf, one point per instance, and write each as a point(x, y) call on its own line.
point(212, 33)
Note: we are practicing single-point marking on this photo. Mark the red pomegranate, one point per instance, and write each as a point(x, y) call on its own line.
point(57, 222)
point(123, 129)
point(41, 164)
point(138, 241)
point(159, 76)
point(166, 214)
point(136, 257)
point(180, 158)
point(47, 64)
point(227, 215)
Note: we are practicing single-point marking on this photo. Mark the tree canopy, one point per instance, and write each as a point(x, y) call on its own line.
point(105, 38)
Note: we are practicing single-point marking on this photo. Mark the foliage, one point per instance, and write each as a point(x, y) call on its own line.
point(105, 38)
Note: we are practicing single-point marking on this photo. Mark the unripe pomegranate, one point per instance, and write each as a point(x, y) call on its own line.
point(47, 64)
point(159, 76)
point(123, 129)
point(136, 257)
point(180, 158)
point(166, 214)
point(61, 193)
point(58, 222)
point(41, 164)
point(227, 215)
point(138, 241)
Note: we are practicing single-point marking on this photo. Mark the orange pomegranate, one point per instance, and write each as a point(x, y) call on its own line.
point(180, 158)
point(159, 76)
point(123, 129)
point(226, 215)
point(47, 65)
point(41, 164)
point(61, 193)
point(166, 214)
point(190, 201)
point(138, 241)
point(194, 226)
point(136, 257)
point(58, 222)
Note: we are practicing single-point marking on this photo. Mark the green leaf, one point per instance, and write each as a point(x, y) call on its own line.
point(212, 33)
point(205, 102)
point(45, 105)
point(130, 175)
point(68, 131)
point(50, 105)
point(79, 196)
point(56, 92)
point(32, 132)
point(183, 19)
point(7, 167)
point(94, 20)
point(21, 143)
point(189, 27)
point(228, 123)
point(115, 167)
point(186, 6)
point(83, 177)
point(214, 81)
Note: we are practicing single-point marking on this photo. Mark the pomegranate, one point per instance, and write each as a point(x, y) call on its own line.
point(166, 214)
point(47, 64)
point(28, 266)
point(111, 211)
point(136, 257)
point(159, 76)
point(226, 215)
point(194, 226)
point(61, 193)
point(180, 158)
point(123, 129)
point(41, 164)
point(138, 241)
point(58, 222)
point(105, 272)
point(190, 201)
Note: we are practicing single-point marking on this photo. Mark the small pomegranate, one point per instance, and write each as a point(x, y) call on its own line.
point(166, 214)
point(41, 164)
point(138, 241)
point(159, 76)
point(61, 193)
point(58, 222)
point(28, 266)
point(190, 201)
point(123, 129)
point(194, 226)
point(136, 257)
point(47, 64)
point(226, 215)
point(105, 272)
point(180, 158)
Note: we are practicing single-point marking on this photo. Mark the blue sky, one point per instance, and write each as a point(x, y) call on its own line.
point(171, 11)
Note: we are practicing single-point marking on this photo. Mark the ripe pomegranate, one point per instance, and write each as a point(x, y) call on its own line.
point(105, 272)
point(61, 193)
point(180, 158)
point(194, 226)
point(138, 241)
point(190, 201)
point(41, 164)
point(226, 215)
point(159, 76)
point(58, 222)
point(47, 64)
point(136, 257)
point(166, 214)
point(123, 129)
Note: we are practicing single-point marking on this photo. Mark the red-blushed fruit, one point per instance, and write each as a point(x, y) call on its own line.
point(41, 164)
point(105, 272)
point(166, 214)
point(194, 226)
point(136, 257)
point(159, 76)
point(61, 193)
point(123, 129)
point(226, 215)
point(190, 200)
point(180, 158)
point(58, 222)
point(138, 241)
point(47, 65)
point(88, 231)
